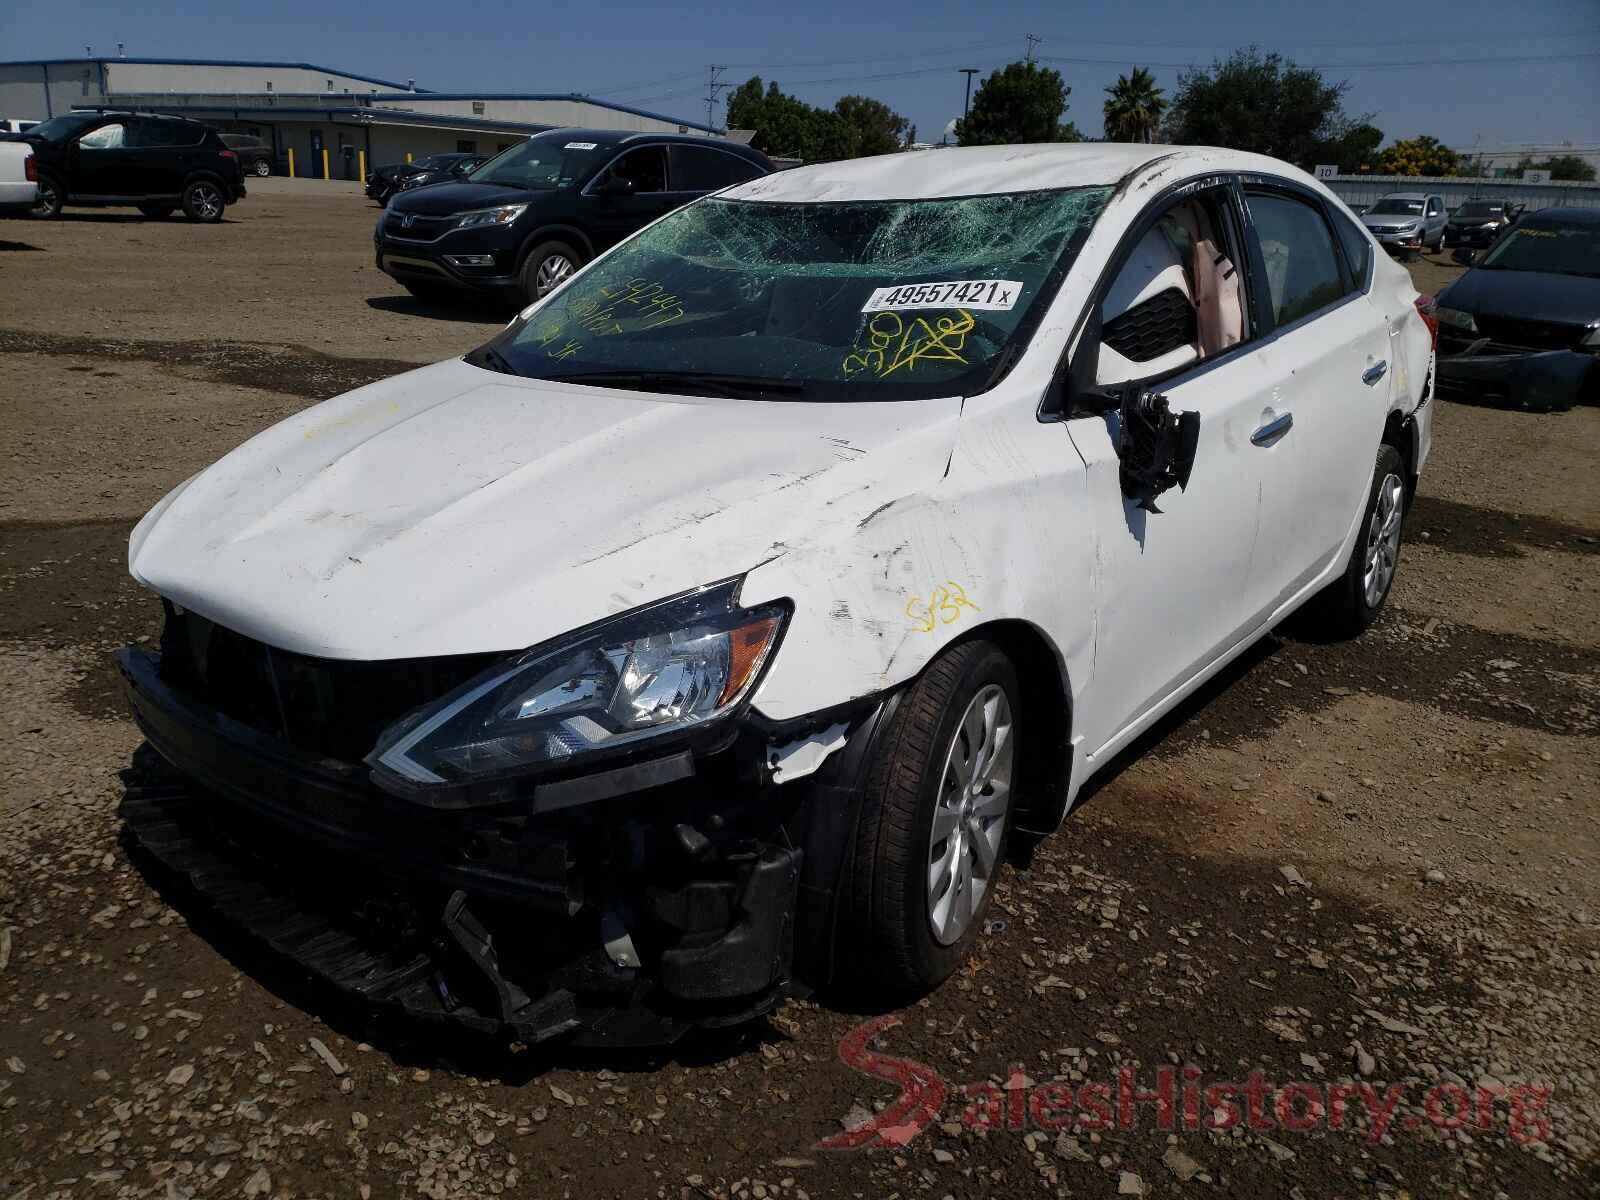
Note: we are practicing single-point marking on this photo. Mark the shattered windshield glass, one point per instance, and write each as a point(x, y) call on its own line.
point(868, 300)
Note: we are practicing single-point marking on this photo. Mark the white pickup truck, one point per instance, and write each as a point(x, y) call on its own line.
point(19, 181)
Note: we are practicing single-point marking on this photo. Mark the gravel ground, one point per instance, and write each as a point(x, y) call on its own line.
point(1371, 864)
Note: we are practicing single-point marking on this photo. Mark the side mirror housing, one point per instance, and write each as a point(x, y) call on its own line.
point(1465, 256)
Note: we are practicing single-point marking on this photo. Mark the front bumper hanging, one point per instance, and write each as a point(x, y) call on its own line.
point(623, 927)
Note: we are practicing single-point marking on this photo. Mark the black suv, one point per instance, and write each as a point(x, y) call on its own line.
point(531, 216)
point(436, 168)
point(255, 154)
point(152, 163)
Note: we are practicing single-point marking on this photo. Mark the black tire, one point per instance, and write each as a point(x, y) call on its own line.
point(47, 207)
point(1343, 609)
point(262, 169)
point(204, 201)
point(541, 264)
point(157, 211)
point(887, 939)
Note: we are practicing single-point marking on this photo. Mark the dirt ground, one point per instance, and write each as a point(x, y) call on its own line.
point(1370, 863)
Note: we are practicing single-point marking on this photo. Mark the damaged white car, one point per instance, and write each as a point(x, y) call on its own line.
point(708, 634)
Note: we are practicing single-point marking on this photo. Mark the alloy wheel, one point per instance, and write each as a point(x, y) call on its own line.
point(45, 201)
point(552, 273)
point(969, 817)
point(207, 201)
point(1383, 539)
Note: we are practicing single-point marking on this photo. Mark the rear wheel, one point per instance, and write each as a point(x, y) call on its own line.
point(934, 824)
point(47, 205)
point(1350, 603)
point(262, 169)
point(156, 211)
point(547, 267)
point(203, 201)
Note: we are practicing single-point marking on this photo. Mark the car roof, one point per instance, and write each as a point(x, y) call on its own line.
point(130, 112)
point(619, 137)
point(991, 170)
point(1577, 216)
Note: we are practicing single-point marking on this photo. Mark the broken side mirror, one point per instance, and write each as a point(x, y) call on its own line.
point(1156, 446)
point(1464, 256)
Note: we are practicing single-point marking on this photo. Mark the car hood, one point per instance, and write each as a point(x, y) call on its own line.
point(1386, 220)
point(454, 510)
point(1526, 295)
point(444, 199)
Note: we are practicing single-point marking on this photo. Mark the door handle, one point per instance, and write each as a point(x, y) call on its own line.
point(1375, 372)
point(1273, 430)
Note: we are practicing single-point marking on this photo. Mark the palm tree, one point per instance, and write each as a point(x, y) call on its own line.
point(1133, 107)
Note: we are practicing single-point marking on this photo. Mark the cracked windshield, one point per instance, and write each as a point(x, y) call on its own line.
point(873, 300)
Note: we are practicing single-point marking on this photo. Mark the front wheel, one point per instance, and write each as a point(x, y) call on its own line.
point(47, 204)
point(202, 201)
point(547, 267)
point(934, 824)
point(1350, 603)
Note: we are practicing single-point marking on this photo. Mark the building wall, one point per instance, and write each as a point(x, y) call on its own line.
point(124, 76)
point(534, 112)
point(24, 95)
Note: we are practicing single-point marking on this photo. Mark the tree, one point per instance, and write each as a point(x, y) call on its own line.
point(1562, 166)
point(1419, 156)
point(1133, 107)
point(1258, 102)
point(788, 126)
point(875, 128)
point(1069, 132)
point(1353, 147)
point(1022, 103)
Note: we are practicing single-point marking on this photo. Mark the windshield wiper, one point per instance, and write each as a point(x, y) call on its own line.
point(490, 359)
point(674, 381)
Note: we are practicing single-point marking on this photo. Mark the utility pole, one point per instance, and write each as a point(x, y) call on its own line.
point(712, 88)
point(966, 106)
point(1033, 40)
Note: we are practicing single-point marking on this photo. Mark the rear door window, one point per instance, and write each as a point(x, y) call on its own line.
point(160, 134)
point(706, 169)
point(1297, 251)
point(107, 137)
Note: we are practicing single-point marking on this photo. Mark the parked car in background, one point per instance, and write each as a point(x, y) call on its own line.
point(156, 164)
point(1478, 222)
point(1523, 325)
point(523, 222)
point(19, 179)
point(255, 154)
point(11, 125)
point(1407, 221)
point(712, 629)
point(387, 180)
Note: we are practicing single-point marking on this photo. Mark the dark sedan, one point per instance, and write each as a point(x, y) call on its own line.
point(384, 182)
point(1523, 326)
point(1478, 222)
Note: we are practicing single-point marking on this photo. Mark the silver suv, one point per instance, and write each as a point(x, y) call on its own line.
point(1408, 220)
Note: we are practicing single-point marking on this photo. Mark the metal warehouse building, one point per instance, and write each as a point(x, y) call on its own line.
point(310, 109)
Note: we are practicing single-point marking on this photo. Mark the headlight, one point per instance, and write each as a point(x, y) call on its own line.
point(1456, 319)
point(663, 669)
point(1592, 339)
point(503, 215)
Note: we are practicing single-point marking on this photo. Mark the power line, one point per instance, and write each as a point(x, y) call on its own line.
point(1501, 60)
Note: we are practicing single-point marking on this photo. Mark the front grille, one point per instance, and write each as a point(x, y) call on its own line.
point(422, 229)
point(1516, 334)
point(1152, 327)
point(330, 707)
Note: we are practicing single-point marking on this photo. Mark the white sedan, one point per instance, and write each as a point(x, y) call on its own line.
point(709, 631)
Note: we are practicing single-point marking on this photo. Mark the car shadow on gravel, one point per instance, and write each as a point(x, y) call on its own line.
point(468, 310)
point(12, 247)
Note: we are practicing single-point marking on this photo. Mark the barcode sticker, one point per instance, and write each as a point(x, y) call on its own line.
point(984, 295)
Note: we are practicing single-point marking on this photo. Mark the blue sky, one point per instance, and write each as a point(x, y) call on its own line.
point(1491, 69)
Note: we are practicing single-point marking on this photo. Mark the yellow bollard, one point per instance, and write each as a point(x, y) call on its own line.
point(291, 162)
point(408, 156)
point(361, 165)
point(325, 174)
